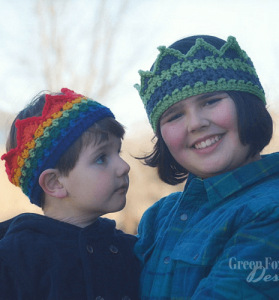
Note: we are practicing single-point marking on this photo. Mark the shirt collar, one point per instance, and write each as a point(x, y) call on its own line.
point(225, 185)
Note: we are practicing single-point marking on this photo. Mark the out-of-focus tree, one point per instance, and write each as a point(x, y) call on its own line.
point(81, 52)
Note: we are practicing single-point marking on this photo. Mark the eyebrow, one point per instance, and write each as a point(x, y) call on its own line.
point(171, 110)
point(177, 105)
point(208, 95)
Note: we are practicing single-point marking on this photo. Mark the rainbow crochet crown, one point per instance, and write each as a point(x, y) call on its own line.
point(41, 141)
point(202, 69)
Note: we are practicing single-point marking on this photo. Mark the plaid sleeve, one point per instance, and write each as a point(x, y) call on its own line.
point(248, 267)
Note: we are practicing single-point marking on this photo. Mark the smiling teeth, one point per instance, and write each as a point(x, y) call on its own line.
point(208, 142)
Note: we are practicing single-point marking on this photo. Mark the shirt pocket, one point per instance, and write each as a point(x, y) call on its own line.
point(199, 252)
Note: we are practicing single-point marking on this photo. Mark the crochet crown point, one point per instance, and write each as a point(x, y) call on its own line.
point(203, 66)
point(137, 87)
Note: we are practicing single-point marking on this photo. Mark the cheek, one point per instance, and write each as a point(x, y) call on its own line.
point(102, 181)
point(173, 137)
point(227, 116)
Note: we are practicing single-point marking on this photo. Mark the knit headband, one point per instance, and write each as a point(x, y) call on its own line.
point(203, 69)
point(41, 141)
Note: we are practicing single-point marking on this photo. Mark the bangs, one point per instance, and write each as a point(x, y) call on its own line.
point(99, 132)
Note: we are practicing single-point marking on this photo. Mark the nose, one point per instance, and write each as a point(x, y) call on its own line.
point(196, 121)
point(123, 168)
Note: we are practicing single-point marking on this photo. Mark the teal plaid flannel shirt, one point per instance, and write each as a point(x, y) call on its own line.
point(218, 239)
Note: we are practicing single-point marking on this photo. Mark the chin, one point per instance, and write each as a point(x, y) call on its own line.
point(120, 207)
point(124, 204)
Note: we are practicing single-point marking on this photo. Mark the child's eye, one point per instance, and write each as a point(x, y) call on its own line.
point(211, 102)
point(174, 117)
point(101, 159)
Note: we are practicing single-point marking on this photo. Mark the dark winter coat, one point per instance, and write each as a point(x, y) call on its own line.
point(42, 258)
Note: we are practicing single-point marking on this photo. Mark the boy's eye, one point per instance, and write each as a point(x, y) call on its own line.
point(101, 159)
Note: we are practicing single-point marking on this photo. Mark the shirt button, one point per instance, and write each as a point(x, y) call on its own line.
point(113, 249)
point(196, 256)
point(183, 217)
point(166, 260)
point(89, 249)
point(99, 298)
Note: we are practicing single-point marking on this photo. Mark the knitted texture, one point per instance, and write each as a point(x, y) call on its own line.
point(41, 141)
point(203, 69)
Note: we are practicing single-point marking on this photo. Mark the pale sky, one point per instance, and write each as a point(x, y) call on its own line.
point(148, 25)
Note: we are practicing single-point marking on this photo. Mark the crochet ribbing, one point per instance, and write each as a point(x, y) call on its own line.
point(177, 76)
point(41, 141)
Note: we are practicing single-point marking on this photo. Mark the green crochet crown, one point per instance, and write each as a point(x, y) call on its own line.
point(203, 69)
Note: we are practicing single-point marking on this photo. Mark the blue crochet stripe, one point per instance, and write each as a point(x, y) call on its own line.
point(191, 78)
point(166, 63)
point(60, 144)
point(202, 54)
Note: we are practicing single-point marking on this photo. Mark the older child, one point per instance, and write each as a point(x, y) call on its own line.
point(218, 239)
point(63, 152)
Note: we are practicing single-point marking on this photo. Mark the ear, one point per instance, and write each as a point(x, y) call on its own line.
point(50, 183)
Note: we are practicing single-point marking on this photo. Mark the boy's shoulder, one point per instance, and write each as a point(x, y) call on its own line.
point(107, 229)
point(23, 229)
point(21, 245)
point(4, 226)
point(34, 224)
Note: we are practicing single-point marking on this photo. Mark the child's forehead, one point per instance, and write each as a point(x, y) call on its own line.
point(110, 141)
point(179, 104)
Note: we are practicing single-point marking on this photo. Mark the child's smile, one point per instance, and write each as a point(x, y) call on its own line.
point(201, 133)
point(205, 143)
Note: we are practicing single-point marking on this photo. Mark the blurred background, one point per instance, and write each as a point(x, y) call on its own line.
point(96, 48)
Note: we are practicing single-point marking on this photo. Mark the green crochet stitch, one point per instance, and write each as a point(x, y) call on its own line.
point(159, 91)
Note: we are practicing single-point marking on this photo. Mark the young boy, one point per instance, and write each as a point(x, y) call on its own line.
point(63, 152)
